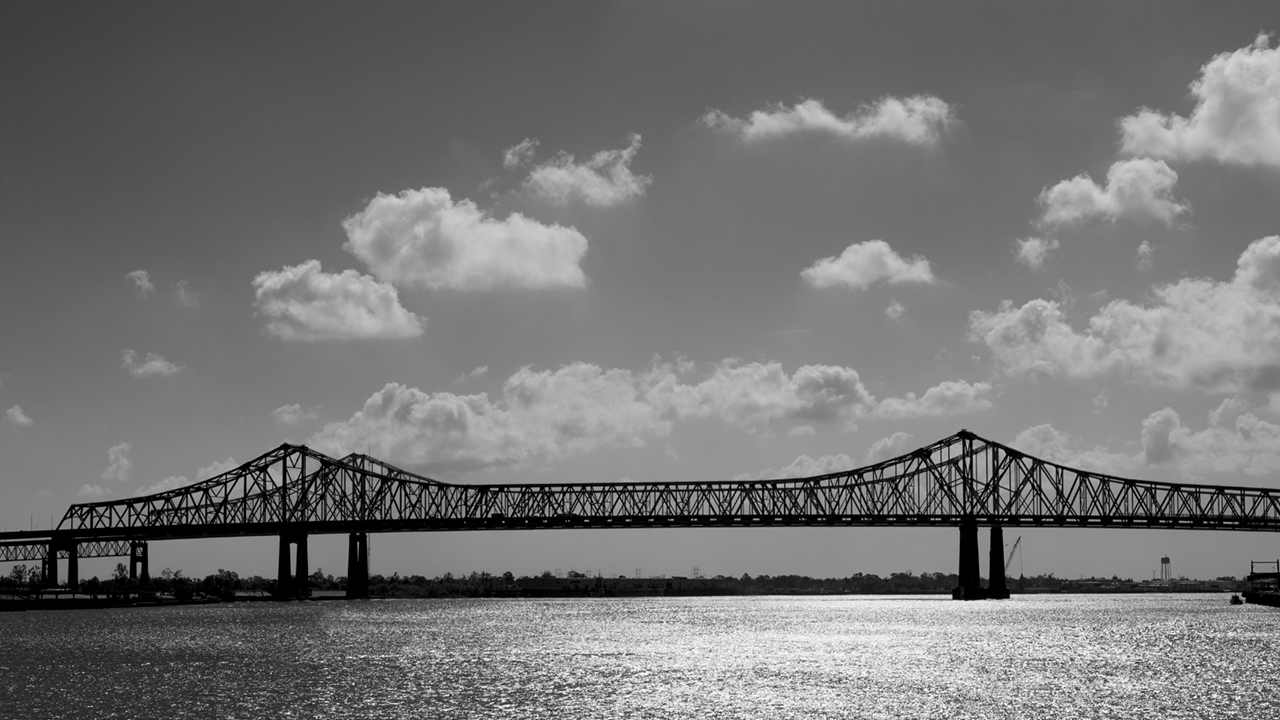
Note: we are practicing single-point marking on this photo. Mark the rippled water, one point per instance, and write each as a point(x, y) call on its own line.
point(1064, 656)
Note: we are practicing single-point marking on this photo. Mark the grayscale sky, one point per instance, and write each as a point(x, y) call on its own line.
point(509, 242)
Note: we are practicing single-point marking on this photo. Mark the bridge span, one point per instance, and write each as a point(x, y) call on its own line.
point(961, 481)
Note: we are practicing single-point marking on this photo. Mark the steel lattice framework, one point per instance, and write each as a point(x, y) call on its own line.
point(962, 478)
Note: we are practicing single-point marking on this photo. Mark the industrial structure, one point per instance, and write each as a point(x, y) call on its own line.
point(962, 481)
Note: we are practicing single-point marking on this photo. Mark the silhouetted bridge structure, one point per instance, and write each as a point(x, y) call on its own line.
point(961, 481)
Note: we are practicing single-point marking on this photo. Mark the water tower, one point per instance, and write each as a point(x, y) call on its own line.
point(1166, 572)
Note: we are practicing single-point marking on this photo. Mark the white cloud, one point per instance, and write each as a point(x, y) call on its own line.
point(1048, 443)
point(120, 465)
point(93, 491)
point(174, 482)
point(1139, 188)
point(307, 304)
point(896, 444)
point(951, 397)
point(1236, 118)
point(16, 416)
point(918, 120)
point(422, 238)
point(804, 466)
point(294, 415)
point(862, 264)
point(216, 468)
point(1145, 256)
point(802, 430)
point(141, 282)
point(1100, 402)
point(895, 310)
point(519, 154)
point(550, 415)
point(1033, 251)
point(182, 292)
point(1219, 336)
point(604, 180)
point(1235, 442)
point(476, 373)
point(151, 366)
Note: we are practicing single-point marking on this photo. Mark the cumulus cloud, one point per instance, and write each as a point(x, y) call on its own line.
point(1048, 443)
point(16, 416)
point(896, 444)
point(603, 180)
point(422, 238)
point(152, 365)
point(918, 120)
point(93, 491)
point(1146, 256)
point(862, 264)
point(1236, 118)
point(174, 482)
point(1033, 251)
point(294, 414)
point(307, 304)
point(120, 465)
point(1139, 188)
point(1218, 336)
point(951, 397)
point(1236, 441)
point(475, 373)
point(183, 294)
point(804, 466)
point(141, 282)
point(895, 310)
point(519, 154)
point(549, 415)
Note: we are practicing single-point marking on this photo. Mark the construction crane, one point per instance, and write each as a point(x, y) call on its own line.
point(1009, 560)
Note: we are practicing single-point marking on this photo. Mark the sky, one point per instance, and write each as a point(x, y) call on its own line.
point(600, 242)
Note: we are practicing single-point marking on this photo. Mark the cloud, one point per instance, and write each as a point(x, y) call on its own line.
point(1145, 257)
point(294, 415)
point(141, 282)
point(93, 491)
point(1033, 251)
point(1139, 188)
point(1100, 402)
point(182, 292)
point(895, 310)
point(307, 304)
point(16, 416)
point(549, 415)
point(918, 120)
point(1235, 442)
point(894, 445)
point(519, 154)
point(476, 373)
point(422, 238)
point(151, 366)
point(804, 466)
point(862, 264)
point(173, 482)
point(604, 180)
point(951, 397)
point(1236, 118)
point(120, 466)
point(1217, 336)
point(1048, 443)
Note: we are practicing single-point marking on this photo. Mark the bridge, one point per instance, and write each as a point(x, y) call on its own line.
point(961, 481)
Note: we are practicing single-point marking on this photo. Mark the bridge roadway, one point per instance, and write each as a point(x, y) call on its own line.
point(961, 481)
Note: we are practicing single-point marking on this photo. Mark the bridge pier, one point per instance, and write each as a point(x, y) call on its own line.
point(997, 587)
point(970, 582)
point(138, 565)
point(291, 577)
point(358, 565)
point(73, 565)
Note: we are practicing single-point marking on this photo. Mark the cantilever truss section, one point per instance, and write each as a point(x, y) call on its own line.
point(962, 477)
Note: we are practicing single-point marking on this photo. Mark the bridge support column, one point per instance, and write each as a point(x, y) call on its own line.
point(301, 569)
point(139, 568)
point(970, 585)
point(358, 565)
point(73, 565)
point(997, 587)
point(291, 577)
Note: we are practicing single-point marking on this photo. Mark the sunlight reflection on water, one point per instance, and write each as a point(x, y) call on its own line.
point(1064, 656)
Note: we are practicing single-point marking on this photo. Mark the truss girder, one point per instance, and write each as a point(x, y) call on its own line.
point(960, 477)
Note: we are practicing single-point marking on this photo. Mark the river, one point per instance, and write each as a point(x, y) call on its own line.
point(1046, 656)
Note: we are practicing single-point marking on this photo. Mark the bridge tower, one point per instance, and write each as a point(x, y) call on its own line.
point(139, 567)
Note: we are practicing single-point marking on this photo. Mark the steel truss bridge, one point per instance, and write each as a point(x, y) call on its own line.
point(962, 481)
